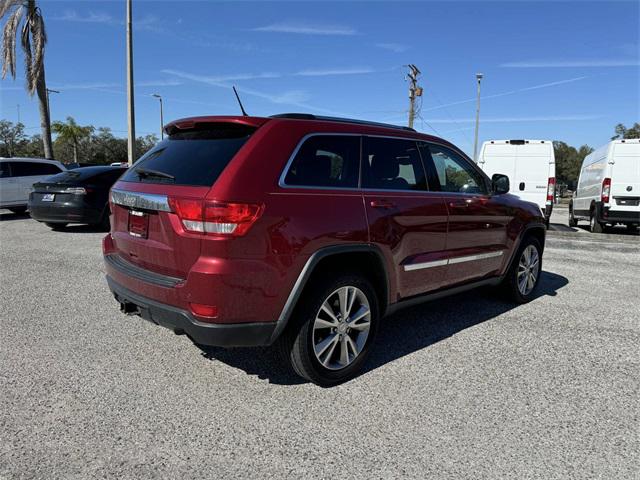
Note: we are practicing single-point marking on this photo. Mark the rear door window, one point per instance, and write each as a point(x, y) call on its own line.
point(393, 164)
point(5, 172)
point(329, 161)
point(31, 169)
point(193, 157)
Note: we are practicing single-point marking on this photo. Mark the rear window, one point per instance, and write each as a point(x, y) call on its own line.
point(193, 157)
point(81, 174)
point(30, 169)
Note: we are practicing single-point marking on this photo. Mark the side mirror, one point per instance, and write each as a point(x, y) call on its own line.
point(499, 184)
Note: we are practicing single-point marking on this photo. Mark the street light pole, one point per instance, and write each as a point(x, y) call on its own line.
point(131, 118)
point(475, 142)
point(161, 116)
point(49, 90)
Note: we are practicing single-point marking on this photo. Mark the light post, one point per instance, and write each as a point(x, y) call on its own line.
point(131, 116)
point(161, 116)
point(475, 142)
point(49, 90)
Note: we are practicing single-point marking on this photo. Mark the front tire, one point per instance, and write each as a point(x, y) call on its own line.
point(523, 277)
point(572, 219)
point(333, 330)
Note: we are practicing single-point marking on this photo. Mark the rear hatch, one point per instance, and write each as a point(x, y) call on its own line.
point(625, 176)
point(145, 230)
point(534, 167)
point(59, 188)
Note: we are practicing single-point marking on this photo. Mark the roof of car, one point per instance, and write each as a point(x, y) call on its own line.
point(28, 159)
point(190, 122)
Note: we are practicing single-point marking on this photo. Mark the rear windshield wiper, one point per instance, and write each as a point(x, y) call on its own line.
point(145, 173)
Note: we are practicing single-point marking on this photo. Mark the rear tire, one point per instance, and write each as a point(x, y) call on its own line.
point(523, 277)
point(594, 224)
point(325, 342)
point(56, 227)
point(632, 228)
point(18, 210)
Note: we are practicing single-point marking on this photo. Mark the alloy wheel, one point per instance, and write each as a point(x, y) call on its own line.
point(341, 327)
point(528, 269)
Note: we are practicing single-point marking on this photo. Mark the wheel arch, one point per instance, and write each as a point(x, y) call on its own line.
point(365, 258)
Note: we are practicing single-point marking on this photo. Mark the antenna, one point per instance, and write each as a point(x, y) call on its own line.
point(239, 102)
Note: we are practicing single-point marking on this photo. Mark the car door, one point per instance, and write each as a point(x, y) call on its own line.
point(7, 184)
point(477, 240)
point(404, 217)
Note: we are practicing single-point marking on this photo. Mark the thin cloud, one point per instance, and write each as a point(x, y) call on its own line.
point(510, 92)
point(572, 64)
point(546, 118)
point(73, 16)
point(297, 98)
point(307, 29)
point(393, 47)
point(334, 71)
point(159, 83)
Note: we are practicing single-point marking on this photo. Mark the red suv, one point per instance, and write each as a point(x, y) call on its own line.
point(306, 231)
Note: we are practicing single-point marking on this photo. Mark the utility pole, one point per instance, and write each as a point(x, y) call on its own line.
point(161, 116)
point(475, 142)
point(131, 117)
point(49, 90)
point(414, 91)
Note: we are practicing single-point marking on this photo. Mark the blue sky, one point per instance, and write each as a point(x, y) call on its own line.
point(554, 70)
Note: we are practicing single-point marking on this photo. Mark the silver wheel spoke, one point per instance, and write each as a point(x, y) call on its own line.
point(329, 354)
point(321, 347)
point(343, 293)
point(344, 352)
point(351, 301)
point(320, 323)
point(326, 308)
point(362, 312)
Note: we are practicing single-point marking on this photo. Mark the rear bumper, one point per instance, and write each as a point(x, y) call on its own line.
point(614, 216)
point(182, 322)
point(64, 213)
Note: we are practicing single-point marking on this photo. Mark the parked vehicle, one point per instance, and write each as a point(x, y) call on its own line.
point(530, 166)
point(75, 196)
point(608, 191)
point(305, 231)
point(17, 175)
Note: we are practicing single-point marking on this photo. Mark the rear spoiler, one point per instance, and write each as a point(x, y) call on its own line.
point(200, 122)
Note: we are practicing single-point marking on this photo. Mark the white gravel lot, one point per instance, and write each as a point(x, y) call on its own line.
point(467, 387)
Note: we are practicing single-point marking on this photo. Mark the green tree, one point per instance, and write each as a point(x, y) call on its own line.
point(569, 161)
point(10, 138)
point(24, 21)
point(71, 133)
point(624, 132)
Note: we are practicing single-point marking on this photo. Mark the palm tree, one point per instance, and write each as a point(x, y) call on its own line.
point(24, 21)
point(72, 133)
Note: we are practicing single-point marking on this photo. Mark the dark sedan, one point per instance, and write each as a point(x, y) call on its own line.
point(75, 196)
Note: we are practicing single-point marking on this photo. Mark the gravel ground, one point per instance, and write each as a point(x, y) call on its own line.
point(468, 387)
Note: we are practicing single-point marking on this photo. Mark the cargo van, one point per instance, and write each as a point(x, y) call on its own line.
point(530, 166)
point(608, 190)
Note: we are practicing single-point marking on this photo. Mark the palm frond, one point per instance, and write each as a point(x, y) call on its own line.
point(25, 41)
point(9, 42)
point(5, 6)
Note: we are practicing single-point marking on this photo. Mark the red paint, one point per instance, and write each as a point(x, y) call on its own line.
point(249, 277)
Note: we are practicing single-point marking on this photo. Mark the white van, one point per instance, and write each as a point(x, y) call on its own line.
point(608, 190)
point(530, 166)
point(16, 177)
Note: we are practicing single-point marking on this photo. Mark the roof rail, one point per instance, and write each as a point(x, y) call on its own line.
point(309, 116)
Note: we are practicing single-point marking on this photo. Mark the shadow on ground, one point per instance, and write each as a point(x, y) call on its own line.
point(7, 216)
point(401, 334)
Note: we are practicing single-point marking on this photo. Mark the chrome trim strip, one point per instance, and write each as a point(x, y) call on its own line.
point(143, 201)
point(452, 261)
point(480, 256)
point(419, 266)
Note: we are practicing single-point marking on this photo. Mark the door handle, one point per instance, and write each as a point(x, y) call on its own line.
point(461, 203)
point(382, 204)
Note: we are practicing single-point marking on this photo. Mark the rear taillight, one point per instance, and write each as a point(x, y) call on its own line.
point(551, 189)
point(77, 190)
point(204, 311)
point(606, 190)
point(215, 218)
